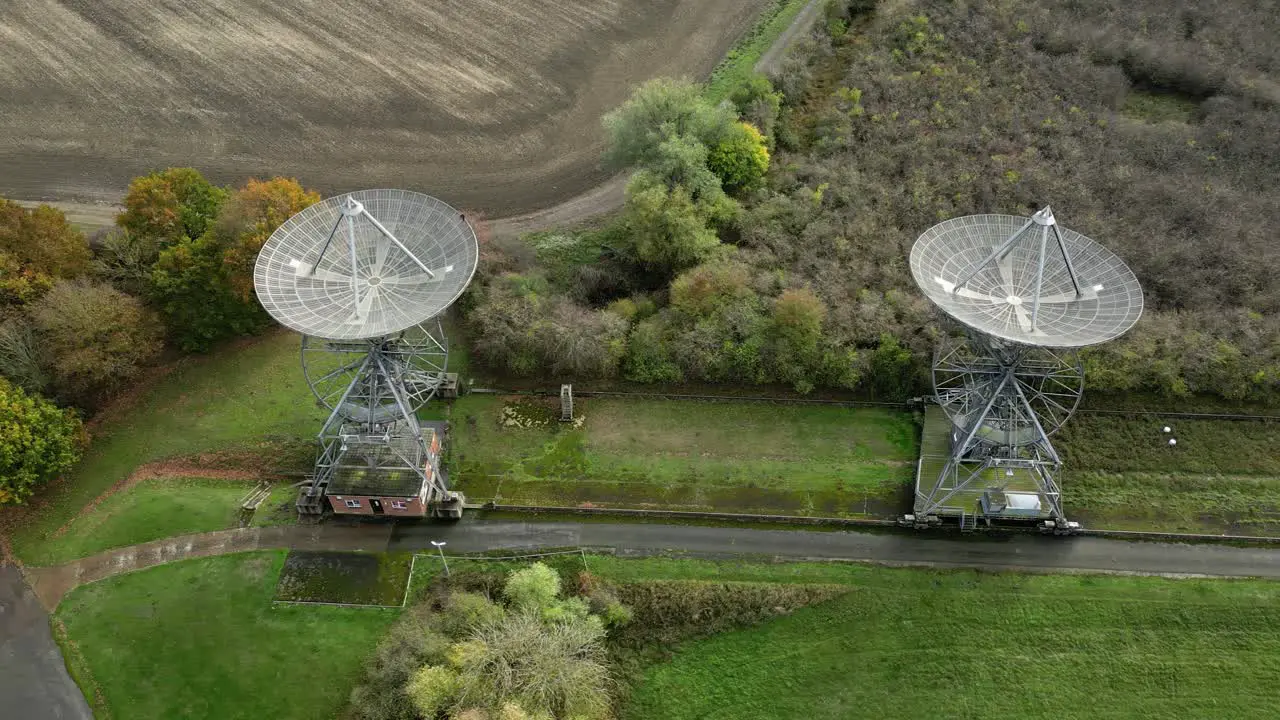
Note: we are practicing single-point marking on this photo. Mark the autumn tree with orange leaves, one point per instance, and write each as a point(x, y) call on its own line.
point(204, 286)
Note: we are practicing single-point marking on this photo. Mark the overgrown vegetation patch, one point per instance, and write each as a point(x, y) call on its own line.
point(345, 578)
point(1160, 106)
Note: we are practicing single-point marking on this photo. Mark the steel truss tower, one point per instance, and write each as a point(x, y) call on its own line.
point(374, 395)
point(1004, 401)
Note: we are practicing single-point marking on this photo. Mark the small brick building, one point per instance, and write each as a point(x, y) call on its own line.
point(393, 477)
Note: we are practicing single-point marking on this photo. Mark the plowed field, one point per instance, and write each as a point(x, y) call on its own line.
point(490, 104)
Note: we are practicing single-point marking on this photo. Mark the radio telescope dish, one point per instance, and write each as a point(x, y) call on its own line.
point(365, 264)
point(1026, 280)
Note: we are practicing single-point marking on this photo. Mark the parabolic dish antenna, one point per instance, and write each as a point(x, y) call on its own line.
point(1026, 280)
point(366, 264)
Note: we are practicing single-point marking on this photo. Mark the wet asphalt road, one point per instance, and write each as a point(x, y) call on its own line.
point(34, 684)
point(1014, 552)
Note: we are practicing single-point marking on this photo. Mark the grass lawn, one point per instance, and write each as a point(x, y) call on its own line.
point(724, 456)
point(1222, 476)
point(161, 508)
point(240, 395)
point(202, 639)
point(912, 643)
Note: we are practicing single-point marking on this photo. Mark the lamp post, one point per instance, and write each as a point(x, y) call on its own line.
point(440, 547)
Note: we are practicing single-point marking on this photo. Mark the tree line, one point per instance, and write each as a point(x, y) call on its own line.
point(81, 319)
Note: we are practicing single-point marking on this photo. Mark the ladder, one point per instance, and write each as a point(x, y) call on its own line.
point(566, 403)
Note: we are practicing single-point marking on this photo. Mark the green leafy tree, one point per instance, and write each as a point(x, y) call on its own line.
point(204, 287)
point(190, 287)
point(893, 371)
point(668, 229)
point(740, 159)
point(94, 338)
point(169, 205)
point(681, 161)
point(658, 110)
point(648, 355)
point(38, 441)
point(796, 338)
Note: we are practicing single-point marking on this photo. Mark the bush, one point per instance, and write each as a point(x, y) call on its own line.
point(37, 442)
point(557, 668)
point(740, 159)
point(520, 327)
point(412, 642)
point(22, 359)
point(94, 339)
point(432, 689)
point(666, 612)
point(533, 588)
point(125, 260)
point(706, 289)
point(465, 610)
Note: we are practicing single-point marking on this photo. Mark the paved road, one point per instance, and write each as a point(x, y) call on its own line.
point(1016, 552)
point(34, 684)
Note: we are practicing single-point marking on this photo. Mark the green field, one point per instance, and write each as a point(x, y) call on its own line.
point(241, 396)
point(722, 456)
point(912, 644)
point(160, 508)
point(202, 639)
point(1222, 476)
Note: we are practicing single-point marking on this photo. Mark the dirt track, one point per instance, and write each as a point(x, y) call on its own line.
point(488, 104)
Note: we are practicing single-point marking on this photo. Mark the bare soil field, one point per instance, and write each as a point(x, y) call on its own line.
point(491, 105)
